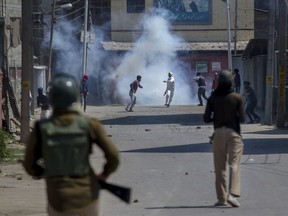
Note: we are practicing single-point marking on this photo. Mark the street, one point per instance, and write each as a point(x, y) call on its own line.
point(166, 159)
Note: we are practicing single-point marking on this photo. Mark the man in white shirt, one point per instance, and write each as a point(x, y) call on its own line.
point(169, 92)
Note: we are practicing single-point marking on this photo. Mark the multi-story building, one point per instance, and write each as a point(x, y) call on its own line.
point(195, 21)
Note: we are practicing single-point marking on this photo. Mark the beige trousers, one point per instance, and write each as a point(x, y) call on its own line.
point(90, 210)
point(227, 147)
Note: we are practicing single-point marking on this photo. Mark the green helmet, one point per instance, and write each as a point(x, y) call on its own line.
point(64, 91)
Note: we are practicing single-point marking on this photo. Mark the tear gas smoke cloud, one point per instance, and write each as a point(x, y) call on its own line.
point(67, 50)
point(153, 56)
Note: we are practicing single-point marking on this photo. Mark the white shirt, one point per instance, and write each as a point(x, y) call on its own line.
point(170, 83)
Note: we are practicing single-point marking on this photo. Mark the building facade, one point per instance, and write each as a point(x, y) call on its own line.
point(207, 24)
point(201, 24)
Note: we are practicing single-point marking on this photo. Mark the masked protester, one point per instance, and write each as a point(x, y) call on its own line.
point(58, 150)
point(169, 92)
point(225, 109)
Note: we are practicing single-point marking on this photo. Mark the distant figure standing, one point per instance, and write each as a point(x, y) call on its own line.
point(84, 91)
point(132, 93)
point(225, 109)
point(169, 92)
point(43, 103)
point(250, 103)
point(237, 81)
point(201, 88)
point(215, 82)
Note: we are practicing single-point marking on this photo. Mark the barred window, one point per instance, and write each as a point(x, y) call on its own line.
point(135, 6)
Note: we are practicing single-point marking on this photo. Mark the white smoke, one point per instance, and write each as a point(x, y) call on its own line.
point(153, 57)
point(67, 49)
point(110, 74)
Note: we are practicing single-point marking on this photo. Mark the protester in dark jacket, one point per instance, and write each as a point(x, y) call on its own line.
point(225, 109)
point(43, 103)
point(250, 103)
point(84, 91)
point(200, 80)
point(132, 93)
point(237, 80)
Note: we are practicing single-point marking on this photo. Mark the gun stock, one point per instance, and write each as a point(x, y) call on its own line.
point(123, 193)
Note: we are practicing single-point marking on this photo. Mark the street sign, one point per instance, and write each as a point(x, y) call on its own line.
point(90, 37)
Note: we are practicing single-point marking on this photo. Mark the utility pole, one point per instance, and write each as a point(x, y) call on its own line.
point(48, 77)
point(270, 65)
point(235, 27)
point(229, 35)
point(27, 66)
point(85, 39)
point(281, 102)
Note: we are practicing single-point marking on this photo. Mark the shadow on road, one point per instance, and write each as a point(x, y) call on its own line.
point(251, 147)
point(270, 132)
point(185, 207)
point(182, 119)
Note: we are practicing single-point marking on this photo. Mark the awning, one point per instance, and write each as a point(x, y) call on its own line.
point(255, 47)
point(187, 46)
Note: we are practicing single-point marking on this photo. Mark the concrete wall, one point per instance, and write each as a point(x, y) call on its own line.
point(125, 26)
point(13, 10)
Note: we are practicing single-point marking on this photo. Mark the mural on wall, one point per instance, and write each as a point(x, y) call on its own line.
point(188, 11)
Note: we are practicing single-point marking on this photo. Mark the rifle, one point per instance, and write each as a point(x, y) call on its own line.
point(123, 193)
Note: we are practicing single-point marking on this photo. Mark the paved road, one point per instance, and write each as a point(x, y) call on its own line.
point(167, 160)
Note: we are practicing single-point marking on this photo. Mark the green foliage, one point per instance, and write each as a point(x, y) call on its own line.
point(5, 153)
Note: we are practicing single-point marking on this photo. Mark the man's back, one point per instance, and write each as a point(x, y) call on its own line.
point(227, 110)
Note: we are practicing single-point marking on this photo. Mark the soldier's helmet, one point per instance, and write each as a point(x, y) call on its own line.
point(64, 91)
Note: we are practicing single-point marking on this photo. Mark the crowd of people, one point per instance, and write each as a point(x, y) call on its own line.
point(250, 99)
point(59, 146)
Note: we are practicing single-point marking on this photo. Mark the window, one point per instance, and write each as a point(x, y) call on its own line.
point(135, 6)
point(202, 67)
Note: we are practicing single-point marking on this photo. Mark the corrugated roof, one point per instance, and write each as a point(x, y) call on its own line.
point(187, 46)
point(255, 47)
